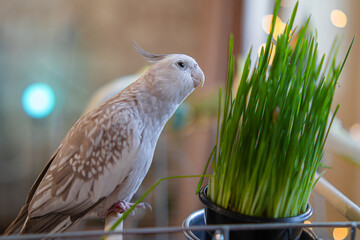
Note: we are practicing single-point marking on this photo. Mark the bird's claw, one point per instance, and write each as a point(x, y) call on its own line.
point(122, 206)
point(144, 205)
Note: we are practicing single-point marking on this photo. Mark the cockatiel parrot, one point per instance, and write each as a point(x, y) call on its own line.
point(105, 156)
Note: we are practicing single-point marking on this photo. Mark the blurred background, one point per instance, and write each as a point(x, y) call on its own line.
point(55, 55)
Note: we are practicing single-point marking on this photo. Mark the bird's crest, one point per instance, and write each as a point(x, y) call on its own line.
point(150, 57)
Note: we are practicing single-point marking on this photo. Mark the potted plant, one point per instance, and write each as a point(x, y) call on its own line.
point(271, 134)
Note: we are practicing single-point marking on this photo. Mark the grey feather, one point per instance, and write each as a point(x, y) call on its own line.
point(45, 223)
point(54, 222)
point(150, 57)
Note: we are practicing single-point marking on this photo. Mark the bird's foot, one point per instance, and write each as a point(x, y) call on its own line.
point(122, 206)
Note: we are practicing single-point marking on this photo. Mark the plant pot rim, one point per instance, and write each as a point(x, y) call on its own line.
point(252, 219)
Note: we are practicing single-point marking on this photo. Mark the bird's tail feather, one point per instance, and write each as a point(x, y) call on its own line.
point(50, 223)
point(18, 222)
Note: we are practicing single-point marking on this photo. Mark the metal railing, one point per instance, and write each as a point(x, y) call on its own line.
point(223, 230)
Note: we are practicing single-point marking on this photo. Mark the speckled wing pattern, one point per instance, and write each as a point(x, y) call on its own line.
point(108, 152)
point(90, 163)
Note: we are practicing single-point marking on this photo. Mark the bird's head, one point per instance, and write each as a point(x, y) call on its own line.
point(174, 75)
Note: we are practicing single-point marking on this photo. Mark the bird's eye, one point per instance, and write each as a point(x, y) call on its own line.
point(180, 64)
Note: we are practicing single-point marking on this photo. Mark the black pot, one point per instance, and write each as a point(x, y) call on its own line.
point(218, 215)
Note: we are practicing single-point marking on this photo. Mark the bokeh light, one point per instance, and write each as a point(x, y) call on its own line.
point(308, 222)
point(355, 131)
point(38, 100)
point(272, 51)
point(279, 25)
point(338, 18)
point(340, 233)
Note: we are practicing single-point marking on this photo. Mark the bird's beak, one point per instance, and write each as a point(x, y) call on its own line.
point(198, 78)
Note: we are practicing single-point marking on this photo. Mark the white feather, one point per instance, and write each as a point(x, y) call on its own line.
point(128, 126)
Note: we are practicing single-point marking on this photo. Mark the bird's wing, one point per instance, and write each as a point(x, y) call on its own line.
point(93, 159)
point(21, 217)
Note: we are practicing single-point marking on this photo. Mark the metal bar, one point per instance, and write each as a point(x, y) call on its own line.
point(353, 231)
point(154, 230)
point(226, 232)
point(338, 200)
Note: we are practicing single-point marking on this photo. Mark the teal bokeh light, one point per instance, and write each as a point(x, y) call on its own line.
point(38, 100)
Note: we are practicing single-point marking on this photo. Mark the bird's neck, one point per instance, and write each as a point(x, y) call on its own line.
point(156, 110)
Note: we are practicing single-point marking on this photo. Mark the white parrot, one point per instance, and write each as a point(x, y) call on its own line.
point(105, 156)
